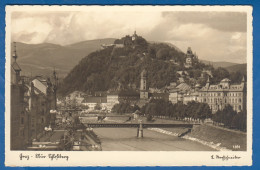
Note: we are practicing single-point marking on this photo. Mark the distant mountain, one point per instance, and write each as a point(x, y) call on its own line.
point(217, 64)
point(42, 58)
point(238, 68)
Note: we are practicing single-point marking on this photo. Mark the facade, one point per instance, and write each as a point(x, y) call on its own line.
point(219, 95)
point(31, 102)
point(41, 99)
point(92, 101)
point(163, 96)
point(112, 99)
point(189, 97)
point(19, 114)
point(177, 93)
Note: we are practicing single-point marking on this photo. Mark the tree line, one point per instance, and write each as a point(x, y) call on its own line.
point(230, 118)
point(190, 111)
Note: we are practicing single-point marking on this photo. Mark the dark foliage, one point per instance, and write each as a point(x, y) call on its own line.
point(230, 118)
point(124, 107)
point(179, 110)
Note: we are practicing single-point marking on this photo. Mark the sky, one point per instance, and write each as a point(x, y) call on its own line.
point(214, 36)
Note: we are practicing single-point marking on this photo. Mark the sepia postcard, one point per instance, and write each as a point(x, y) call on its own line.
point(128, 86)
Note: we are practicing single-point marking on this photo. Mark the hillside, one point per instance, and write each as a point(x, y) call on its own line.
point(42, 58)
point(238, 68)
point(115, 68)
point(119, 67)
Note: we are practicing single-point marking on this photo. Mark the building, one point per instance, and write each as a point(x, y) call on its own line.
point(219, 95)
point(129, 95)
point(160, 96)
point(31, 102)
point(93, 101)
point(19, 115)
point(189, 97)
point(143, 86)
point(41, 99)
point(112, 99)
point(176, 93)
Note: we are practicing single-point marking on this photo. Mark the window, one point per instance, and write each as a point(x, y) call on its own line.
point(240, 100)
point(239, 107)
point(22, 120)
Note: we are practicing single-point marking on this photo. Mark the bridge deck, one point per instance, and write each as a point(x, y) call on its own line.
point(82, 116)
point(135, 125)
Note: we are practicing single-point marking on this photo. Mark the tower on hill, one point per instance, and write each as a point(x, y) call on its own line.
point(190, 58)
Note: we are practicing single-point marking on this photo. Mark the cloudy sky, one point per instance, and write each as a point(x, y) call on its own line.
point(214, 36)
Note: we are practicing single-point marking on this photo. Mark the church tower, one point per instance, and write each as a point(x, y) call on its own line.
point(16, 70)
point(143, 85)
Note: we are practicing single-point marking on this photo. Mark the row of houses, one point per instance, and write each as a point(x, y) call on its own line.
point(31, 102)
point(217, 96)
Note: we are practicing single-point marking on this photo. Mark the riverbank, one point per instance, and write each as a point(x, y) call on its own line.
point(214, 137)
point(236, 141)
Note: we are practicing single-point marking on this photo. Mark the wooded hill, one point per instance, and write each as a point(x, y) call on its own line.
point(116, 67)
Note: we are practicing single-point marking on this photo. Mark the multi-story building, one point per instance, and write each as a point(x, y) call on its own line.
point(31, 102)
point(19, 115)
point(176, 93)
point(219, 95)
point(92, 101)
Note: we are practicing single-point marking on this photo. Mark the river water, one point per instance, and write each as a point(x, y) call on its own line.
point(124, 139)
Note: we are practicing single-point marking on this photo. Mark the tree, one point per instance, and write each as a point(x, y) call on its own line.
point(162, 53)
point(97, 107)
point(225, 116)
point(240, 121)
point(219, 74)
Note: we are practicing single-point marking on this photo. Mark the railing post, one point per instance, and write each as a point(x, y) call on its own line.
point(140, 130)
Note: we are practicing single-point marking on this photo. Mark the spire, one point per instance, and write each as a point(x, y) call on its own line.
point(14, 54)
point(243, 79)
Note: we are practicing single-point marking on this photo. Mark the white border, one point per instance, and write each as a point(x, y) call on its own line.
point(132, 158)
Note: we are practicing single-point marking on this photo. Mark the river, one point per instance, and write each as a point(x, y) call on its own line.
point(124, 139)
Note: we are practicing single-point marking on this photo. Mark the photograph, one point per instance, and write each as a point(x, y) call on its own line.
point(135, 79)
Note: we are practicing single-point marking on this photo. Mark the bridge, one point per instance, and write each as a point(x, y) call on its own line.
point(141, 126)
point(136, 125)
point(100, 115)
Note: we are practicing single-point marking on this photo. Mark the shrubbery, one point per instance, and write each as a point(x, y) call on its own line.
point(179, 110)
point(124, 107)
point(230, 118)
